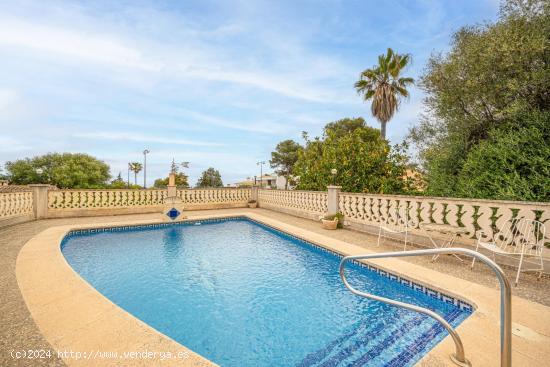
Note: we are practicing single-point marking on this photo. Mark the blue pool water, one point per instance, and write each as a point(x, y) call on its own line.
point(243, 294)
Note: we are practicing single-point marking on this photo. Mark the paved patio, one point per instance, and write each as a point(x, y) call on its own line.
point(19, 332)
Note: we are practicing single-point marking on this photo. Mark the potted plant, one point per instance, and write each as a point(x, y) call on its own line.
point(252, 203)
point(333, 221)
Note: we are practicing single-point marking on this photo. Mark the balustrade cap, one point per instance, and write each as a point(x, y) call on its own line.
point(443, 198)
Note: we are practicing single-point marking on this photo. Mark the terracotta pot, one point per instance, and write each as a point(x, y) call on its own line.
point(329, 224)
point(253, 205)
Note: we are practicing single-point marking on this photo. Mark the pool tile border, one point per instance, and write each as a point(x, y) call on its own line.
point(455, 301)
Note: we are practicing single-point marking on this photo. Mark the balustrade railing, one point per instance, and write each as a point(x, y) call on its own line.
point(214, 196)
point(312, 202)
point(14, 204)
point(357, 208)
point(471, 214)
point(92, 199)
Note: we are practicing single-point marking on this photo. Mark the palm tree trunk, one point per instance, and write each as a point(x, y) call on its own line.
point(383, 130)
point(135, 177)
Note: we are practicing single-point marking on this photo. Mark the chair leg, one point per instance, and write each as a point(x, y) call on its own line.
point(405, 247)
point(519, 269)
point(379, 234)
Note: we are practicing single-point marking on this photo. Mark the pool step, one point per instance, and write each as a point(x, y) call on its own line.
point(415, 348)
point(374, 344)
point(343, 350)
point(360, 331)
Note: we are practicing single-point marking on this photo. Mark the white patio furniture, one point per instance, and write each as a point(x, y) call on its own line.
point(394, 225)
point(520, 239)
point(446, 232)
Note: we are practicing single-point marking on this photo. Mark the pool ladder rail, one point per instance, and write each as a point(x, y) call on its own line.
point(458, 357)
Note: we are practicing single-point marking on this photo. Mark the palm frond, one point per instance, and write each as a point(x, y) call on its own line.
point(401, 90)
point(405, 81)
point(405, 59)
point(384, 85)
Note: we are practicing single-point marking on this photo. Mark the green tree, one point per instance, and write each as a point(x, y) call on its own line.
point(135, 167)
point(210, 178)
point(64, 170)
point(118, 183)
point(492, 74)
point(344, 126)
point(284, 157)
point(512, 164)
point(363, 160)
point(384, 85)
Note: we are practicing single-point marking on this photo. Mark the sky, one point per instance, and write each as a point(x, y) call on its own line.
point(214, 83)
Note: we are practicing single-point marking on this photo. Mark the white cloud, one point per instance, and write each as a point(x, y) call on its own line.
point(7, 98)
point(281, 84)
point(128, 136)
point(199, 61)
point(266, 127)
point(9, 144)
point(87, 47)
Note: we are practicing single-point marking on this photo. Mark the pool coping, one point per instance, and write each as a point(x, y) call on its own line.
point(74, 316)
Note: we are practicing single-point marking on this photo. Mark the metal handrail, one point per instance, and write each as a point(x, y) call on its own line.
point(505, 300)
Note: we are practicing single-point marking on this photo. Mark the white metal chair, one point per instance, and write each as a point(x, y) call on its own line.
point(395, 225)
point(521, 239)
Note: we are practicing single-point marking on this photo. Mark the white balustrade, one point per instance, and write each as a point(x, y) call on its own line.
point(214, 196)
point(472, 214)
point(104, 199)
point(309, 202)
point(14, 204)
point(358, 208)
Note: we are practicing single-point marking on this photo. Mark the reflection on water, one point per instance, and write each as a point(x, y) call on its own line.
point(172, 241)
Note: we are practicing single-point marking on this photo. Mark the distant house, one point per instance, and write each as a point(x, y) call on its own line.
point(4, 183)
point(267, 181)
point(280, 183)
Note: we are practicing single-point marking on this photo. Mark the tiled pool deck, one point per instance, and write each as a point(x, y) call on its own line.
point(68, 314)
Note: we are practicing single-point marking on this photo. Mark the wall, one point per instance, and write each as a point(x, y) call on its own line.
point(365, 212)
point(41, 201)
point(306, 204)
point(16, 207)
point(78, 203)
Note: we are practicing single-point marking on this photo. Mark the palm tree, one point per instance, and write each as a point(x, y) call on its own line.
point(385, 86)
point(136, 168)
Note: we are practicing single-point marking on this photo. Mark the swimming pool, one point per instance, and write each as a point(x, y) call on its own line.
point(243, 294)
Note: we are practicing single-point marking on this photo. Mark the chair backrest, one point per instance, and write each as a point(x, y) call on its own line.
point(521, 235)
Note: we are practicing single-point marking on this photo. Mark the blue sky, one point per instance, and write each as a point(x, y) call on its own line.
point(215, 83)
